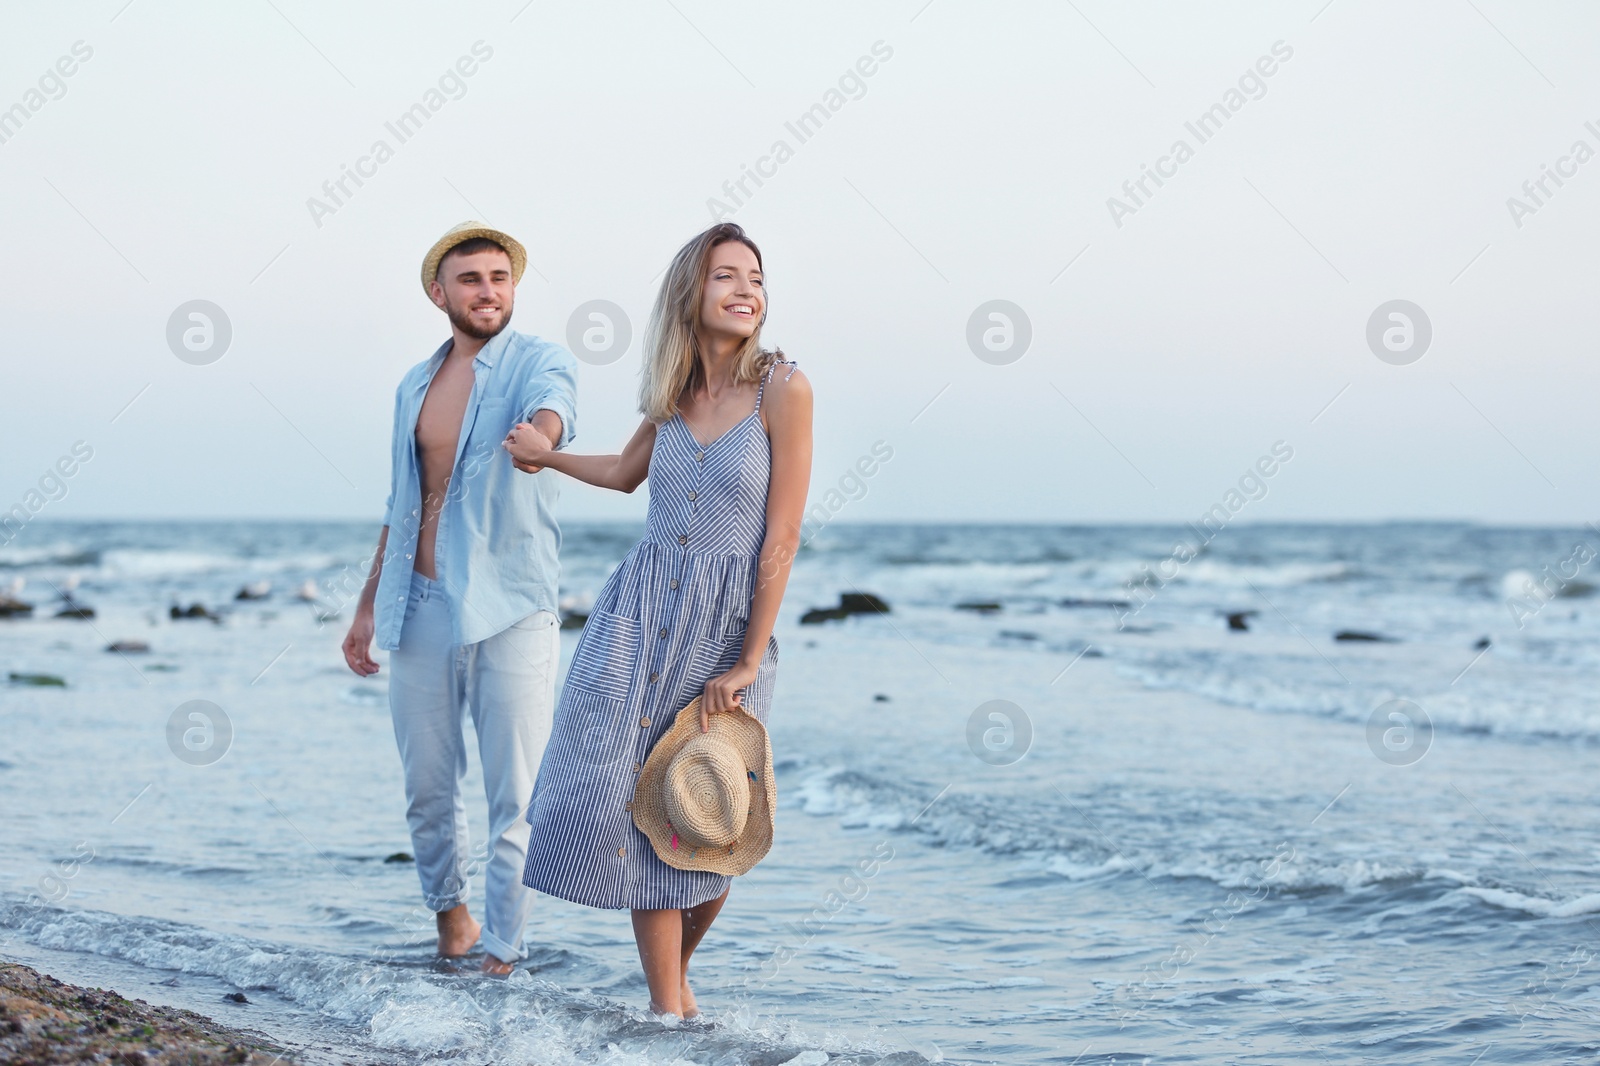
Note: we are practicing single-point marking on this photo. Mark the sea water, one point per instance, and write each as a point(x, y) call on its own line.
point(1049, 808)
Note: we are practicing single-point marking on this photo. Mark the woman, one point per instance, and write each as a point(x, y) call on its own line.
point(726, 444)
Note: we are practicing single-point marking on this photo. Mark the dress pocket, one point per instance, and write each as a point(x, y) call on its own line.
point(607, 657)
point(711, 657)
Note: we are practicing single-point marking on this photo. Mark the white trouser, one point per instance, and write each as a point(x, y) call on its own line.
point(508, 683)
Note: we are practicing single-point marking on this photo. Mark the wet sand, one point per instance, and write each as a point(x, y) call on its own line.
point(43, 1020)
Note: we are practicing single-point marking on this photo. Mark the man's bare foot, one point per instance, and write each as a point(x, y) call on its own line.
point(690, 1008)
point(457, 931)
point(496, 967)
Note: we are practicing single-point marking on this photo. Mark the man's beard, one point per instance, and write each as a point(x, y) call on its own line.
point(461, 318)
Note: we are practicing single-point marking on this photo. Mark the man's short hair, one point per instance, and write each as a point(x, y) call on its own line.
point(472, 246)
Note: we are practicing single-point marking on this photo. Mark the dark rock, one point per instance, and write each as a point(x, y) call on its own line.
point(1093, 653)
point(573, 619)
point(1239, 620)
point(878, 697)
point(10, 607)
point(400, 856)
point(194, 610)
point(38, 680)
point(236, 997)
point(862, 603)
point(979, 606)
point(258, 591)
point(1483, 642)
point(818, 615)
point(849, 603)
point(75, 610)
point(1074, 601)
point(128, 647)
point(1358, 635)
point(1019, 634)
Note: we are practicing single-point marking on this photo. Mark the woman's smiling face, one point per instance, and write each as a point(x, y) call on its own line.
point(734, 300)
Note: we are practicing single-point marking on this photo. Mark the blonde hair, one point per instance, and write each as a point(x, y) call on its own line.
point(671, 363)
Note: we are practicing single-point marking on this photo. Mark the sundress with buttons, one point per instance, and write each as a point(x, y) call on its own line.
point(669, 619)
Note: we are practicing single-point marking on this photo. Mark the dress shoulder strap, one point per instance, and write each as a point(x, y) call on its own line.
point(761, 388)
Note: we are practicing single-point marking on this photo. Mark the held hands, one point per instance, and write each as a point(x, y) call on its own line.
point(723, 693)
point(358, 645)
point(527, 447)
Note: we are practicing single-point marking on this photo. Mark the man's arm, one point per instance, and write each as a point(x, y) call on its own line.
point(358, 642)
point(549, 425)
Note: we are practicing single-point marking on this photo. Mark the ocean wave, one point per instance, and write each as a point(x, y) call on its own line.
point(1042, 834)
point(145, 563)
point(1209, 571)
point(1529, 699)
point(14, 558)
point(406, 1008)
point(1537, 906)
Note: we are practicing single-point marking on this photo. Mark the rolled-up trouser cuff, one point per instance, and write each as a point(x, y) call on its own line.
point(440, 904)
point(501, 950)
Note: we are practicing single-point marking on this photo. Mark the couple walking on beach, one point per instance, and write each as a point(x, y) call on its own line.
point(613, 798)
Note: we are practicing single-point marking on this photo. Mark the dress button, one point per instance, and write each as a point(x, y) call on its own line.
point(683, 538)
point(628, 806)
point(693, 494)
point(636, 767)
point(622, 853)
point(644, 723)
point(654, 677)
point(673, 584)
point(699, 457)
point(663, 633)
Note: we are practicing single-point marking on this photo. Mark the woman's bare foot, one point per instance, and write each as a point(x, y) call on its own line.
point(690, 1008)
point(666, 1016)
point(457, 931)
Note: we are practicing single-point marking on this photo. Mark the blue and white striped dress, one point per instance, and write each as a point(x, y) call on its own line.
point(669, 619)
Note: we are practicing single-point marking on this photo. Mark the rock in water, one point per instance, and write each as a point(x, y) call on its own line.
point(979, 606)
point(260, 590)
point(194, 610)
point(818, 615)
point(401, 856)
point(849, 603)
point(573, 619)
point(862, 603)
point(10, 606)
point(236, 997)
point(1240, 620)
point(1483, 642)
point(75, 610)
point(38, 680)
point(128, 647)
point(1358, 635)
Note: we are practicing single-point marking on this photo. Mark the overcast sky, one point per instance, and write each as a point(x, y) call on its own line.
point(1176, 334)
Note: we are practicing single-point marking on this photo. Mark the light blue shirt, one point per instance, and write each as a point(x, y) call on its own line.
point(498, 541)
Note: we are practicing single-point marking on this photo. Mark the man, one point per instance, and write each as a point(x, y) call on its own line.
point(463, 585)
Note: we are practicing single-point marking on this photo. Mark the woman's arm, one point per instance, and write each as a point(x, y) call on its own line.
point(528, 446)
point(788, 410)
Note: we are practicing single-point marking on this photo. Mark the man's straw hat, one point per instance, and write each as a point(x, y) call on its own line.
point(466, 231)
point(706, 800)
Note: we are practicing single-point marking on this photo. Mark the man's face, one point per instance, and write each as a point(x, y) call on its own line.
point(476, 291)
